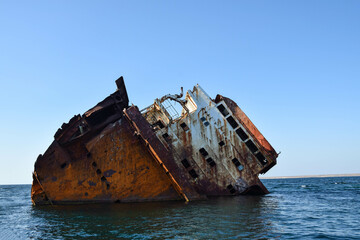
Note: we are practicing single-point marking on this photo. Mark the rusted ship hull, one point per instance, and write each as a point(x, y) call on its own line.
point(116, 153)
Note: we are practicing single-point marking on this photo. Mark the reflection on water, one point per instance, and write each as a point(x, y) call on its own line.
point(296, 209)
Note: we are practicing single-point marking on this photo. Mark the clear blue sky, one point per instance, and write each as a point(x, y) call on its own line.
point(292, 66)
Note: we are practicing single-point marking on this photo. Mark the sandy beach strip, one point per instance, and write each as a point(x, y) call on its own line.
point(314, 176)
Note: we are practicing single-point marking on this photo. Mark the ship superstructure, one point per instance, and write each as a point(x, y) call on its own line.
point(116, 153)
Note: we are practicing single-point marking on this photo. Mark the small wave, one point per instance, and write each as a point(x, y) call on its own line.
point(303, 186)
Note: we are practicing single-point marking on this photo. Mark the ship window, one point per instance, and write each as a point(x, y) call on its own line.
point(231, 188)
point(98, 171)
point(186, 163)
point(107, 186)
point(232, 122)
point(63, 165)
point(223, 110)
point(160, 124)
point(211, 162)
point(251, 146)
point(193, 173)
point(236, 162)
point(166, 136)
point(101, 115)
point(203, 152)
point(206, 123)
point(242, 134)
point(184, 126)
point(94, 164)
point(261, 158)
point(221, 143)
point(103, 178)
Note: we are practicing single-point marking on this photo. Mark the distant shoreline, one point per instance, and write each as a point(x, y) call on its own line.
point(281, 177)
point(316, 176)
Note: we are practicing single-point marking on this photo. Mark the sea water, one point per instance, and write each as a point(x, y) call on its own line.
point(305, 208)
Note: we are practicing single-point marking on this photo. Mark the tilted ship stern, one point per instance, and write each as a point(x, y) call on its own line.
point(116, 153)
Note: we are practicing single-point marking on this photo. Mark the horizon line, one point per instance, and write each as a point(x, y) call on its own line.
point(314, 176)
point(275, 177)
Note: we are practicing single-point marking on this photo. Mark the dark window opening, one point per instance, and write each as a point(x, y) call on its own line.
point(101, 115)
point(206, 123)
point(107, 186)
point(223, 110)
point(203, 152)
point(231, 188)
point(63, 165)
point(160, 124)
point(221, 143)
point(242, 134)
point(261, 158)
point(103, 178)
point(211, 162)
point(232, 122)
point(94, 164)
point(166, 136)
point(88, 154)
point(185, 163)
point(203, 119)
point(236, 162)
point(251, 146)
point(193, 173)
point(76, 134)
point(98, 171)
point(184, 126)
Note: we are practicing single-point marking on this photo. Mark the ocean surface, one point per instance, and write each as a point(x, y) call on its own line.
point(305, 208)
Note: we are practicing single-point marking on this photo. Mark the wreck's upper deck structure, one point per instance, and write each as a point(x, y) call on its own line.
point(117, 153)
point(220, 148)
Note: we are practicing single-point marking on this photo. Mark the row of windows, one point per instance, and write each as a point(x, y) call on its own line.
point(206, 123)
point(209, 160)
point(243, 136)
point(237, 164)
point(212, 163)
point(192, 172)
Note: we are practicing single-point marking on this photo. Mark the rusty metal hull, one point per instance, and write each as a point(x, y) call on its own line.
point(117, 153)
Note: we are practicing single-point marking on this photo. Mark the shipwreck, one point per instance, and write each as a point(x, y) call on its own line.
point(117, 153)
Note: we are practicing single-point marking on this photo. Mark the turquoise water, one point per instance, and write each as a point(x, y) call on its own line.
point(308, 208)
